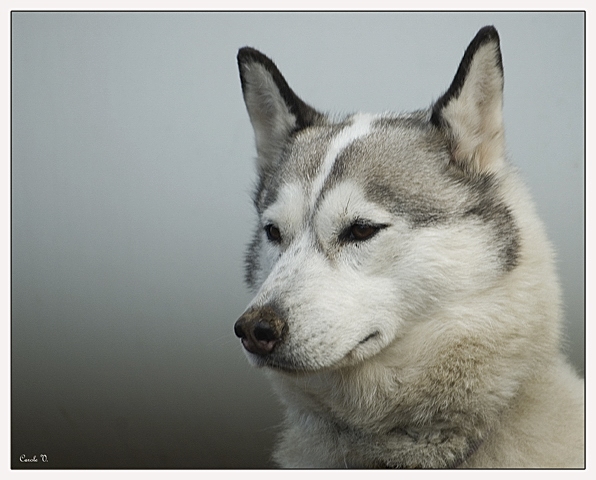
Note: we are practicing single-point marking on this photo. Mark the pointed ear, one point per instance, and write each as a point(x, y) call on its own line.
point(275, 111)
point(471, 111)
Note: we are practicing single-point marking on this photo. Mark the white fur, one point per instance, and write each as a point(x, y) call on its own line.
point(445, 324)
point(319, 293)
point(476, 117)
point(420, 346)
point(361, 126)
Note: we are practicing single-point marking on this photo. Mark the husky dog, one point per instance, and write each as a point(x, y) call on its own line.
point(407, 307)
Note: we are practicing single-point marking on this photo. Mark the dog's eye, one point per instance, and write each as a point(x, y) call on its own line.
point(359, 232)
point(362, 232)
point(273, 233)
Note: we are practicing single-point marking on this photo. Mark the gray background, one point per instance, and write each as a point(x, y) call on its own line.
point(132, 167)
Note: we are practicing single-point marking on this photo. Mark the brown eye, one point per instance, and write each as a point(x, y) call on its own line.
point(360, 232)
point(273, 233)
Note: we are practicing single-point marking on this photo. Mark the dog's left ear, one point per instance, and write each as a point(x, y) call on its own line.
point(275, 111)
point(471, 111)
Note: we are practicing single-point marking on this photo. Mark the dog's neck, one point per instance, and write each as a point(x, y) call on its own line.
point(322, 404)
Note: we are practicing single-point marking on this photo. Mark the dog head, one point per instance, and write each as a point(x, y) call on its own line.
point(370, 222)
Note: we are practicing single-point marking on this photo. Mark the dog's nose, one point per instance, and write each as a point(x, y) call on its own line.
point(260, 329)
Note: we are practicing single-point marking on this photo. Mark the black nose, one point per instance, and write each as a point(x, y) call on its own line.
point(260, 329)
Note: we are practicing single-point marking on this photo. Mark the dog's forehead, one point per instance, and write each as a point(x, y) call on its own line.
point(308, 150)
point(387, 155)
point(300, 163)
point(396, 154)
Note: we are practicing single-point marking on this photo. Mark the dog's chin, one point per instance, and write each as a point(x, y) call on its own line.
point(280, 364)
point(283, 363)
point(293, 364)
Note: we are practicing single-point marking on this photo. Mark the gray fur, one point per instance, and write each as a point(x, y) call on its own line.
point(407, 308)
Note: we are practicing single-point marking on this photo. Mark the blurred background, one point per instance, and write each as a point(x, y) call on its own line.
point(132, 169)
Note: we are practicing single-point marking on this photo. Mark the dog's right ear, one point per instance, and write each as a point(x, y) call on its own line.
point(275, 111)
